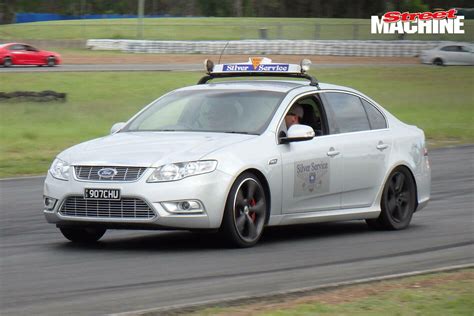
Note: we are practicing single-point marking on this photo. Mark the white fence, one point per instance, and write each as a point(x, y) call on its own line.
point(275, 47)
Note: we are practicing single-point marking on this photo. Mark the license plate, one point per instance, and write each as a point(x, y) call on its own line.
point(102, 194)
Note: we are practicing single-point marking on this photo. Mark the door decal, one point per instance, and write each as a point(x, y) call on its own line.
point(311, 177)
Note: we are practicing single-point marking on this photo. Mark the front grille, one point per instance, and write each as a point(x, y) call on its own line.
point(125, 208)
point(123, 173)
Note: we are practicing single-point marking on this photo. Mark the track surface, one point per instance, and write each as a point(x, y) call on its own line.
point(42, 274)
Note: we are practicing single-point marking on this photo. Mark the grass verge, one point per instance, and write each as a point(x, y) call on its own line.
point(213, 29)
point(448, 293)
point(437, 99)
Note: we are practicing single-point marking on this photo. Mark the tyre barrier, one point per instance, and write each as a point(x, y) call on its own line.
point(401, 48)
point(32, 96)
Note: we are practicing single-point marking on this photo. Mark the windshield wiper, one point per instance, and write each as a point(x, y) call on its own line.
point(236, 132)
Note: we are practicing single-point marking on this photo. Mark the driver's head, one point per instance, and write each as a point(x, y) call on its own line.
point(294, 115)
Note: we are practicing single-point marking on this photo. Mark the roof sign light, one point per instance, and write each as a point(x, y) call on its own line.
point(258, 66)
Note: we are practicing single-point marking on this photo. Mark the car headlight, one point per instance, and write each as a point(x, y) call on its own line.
point(60, 169)
point(178, 171)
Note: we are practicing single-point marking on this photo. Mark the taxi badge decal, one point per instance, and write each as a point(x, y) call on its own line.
point(311, 177)
point(256, 62)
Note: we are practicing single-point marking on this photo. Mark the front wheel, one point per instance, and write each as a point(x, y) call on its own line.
point(82, 235)
point(438, 62)
point(245, 212)
point(398, 201)
point(51, 61)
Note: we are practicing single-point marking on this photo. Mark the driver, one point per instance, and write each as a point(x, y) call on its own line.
point(294, 116)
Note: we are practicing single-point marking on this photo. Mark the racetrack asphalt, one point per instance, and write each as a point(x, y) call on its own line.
point(43, 274)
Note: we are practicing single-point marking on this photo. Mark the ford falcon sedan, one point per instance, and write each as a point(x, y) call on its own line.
point(235, 156)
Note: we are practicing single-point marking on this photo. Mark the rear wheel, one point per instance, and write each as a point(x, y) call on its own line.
point(398, 201)
point(245, 212)
point(51, 61)
point(82, 235)
point(7, 62)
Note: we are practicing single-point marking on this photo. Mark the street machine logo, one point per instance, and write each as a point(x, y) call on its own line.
point(440, 22)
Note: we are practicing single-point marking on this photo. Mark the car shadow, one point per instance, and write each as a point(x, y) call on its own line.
point(178, 241)
point(24, 66)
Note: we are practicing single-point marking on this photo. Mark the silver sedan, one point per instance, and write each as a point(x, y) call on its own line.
point(236, 156)
point(449, 54)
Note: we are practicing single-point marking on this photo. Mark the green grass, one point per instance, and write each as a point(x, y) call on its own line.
point(422, 295)
point(211, 29)
point(437, 99)
point(33, 133)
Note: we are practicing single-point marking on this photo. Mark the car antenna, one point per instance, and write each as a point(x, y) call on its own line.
point(222, 52)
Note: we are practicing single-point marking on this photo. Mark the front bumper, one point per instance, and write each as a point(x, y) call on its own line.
point(425, 59)
point(210, 189)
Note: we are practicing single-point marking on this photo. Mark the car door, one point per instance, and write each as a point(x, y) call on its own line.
point(33, 55)
point(366, 144)
point(312, 169)
point(452, 55)
point(18, 54)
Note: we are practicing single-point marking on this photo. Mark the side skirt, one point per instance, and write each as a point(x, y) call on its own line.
point(324, 216)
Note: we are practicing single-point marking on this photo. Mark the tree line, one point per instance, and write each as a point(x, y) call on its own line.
point(226, 8)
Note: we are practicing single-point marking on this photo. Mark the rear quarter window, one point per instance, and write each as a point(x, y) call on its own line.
point(376, 119)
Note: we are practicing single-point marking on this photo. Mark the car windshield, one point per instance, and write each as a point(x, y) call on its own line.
point(225, 111)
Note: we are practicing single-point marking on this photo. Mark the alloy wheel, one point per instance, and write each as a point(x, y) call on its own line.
point(249, 210)
point(398, 197)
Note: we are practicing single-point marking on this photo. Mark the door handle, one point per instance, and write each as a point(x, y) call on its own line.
point(382, 146)
point(332, 153)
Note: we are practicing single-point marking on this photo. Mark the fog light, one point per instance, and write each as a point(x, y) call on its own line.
point(49, 203)
point(184, 207)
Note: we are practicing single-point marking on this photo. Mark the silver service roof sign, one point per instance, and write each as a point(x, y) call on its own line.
point(257, 64)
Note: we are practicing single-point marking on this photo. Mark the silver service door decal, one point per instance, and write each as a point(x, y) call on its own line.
point(311, 177)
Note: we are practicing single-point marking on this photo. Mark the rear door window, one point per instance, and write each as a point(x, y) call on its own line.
point(347, 111)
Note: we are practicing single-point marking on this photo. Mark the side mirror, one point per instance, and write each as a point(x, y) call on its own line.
point(298, 133)
point(117, 127)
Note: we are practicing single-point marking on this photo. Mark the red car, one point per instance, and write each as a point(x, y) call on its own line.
point(23, 54)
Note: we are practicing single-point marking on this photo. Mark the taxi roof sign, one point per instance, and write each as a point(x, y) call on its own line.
point(258, 66)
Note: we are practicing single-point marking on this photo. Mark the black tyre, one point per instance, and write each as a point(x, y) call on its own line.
point(245, 212)
point(51, 61)
point(7, 62)
point(82, 235)
point(398, 201)
point(438, 62)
